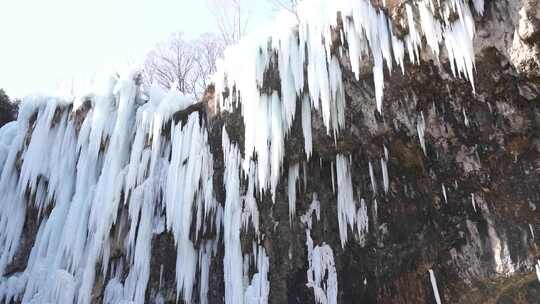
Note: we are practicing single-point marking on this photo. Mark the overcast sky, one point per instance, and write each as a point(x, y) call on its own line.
point(44, 43)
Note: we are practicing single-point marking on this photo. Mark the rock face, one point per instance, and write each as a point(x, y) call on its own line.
point(465, 207)
point(445, 180)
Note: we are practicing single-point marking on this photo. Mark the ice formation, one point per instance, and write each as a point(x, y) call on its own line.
point(444, 194)
point(291, 186)
point(346, 204)
point(257, 292)
point(233, 259)
point(302, 50)
point(465, 118)
point(112, 170)
point(372, 178)
point(421, 129)
point(362, 222)
point(384, 169)
point(434, 286)
point(91, 166)
point(537, 267)
point(321, 274)
point(314, 208)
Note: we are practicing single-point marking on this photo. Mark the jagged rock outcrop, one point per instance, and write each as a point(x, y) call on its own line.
point(433, 198)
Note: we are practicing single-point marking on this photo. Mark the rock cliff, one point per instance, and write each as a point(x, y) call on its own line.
point(411, 182)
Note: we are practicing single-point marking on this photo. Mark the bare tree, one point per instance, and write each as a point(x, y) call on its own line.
point(209, 48)
point(232, 18)
point(171, 63)
point(184, 64)
point(289, 5)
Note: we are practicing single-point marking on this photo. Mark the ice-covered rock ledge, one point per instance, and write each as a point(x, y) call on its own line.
point(364, 152)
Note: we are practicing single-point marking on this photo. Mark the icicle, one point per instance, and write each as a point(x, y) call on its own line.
point(306, 126)
point(444, 193)
point(459, 44)
point(479, 6)
point(292, 180)
point(345, 201)
point(431, 28)
point(333, 180)
point(384, 169)
point(537, 266)
point(160, 276)
point(421, 127)
point(434, 285)
point(532, 231)
point(413, 40)
point(232, 261)
point(378, 79)
point(465, 118)
point(277, 147)
point(375, 210)
point(372, 178)
point(304, 176)
point(188, 150)
point(337, 106)
point(205, 255)
point(473, 202)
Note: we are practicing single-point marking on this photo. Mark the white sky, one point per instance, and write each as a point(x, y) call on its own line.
point(44, 43)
